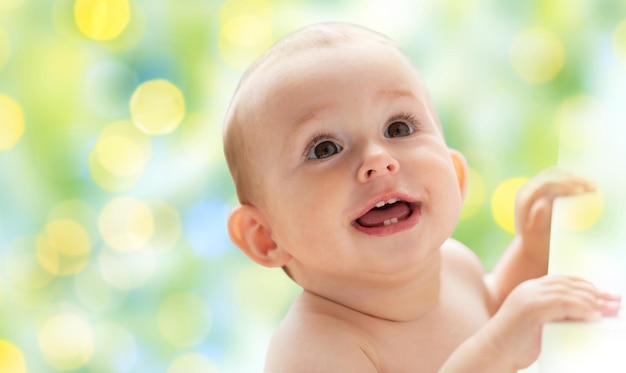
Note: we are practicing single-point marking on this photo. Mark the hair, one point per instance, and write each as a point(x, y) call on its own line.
point(236, 140)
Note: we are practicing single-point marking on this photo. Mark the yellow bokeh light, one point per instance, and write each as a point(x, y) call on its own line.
point(503, 202)
point(64, 247)
point(581, 122)
point(11, 122)
point(580, 212)
point(244, 35)
point(11, 358)
point(102, 19)
point(157, 107)
point(192, 363)
point(10, 4)
point(184, 319)
point(120, 155)
point(619, 41)
point(126, 224)
point(537, 55)
point(475, 197)
point(66, 341)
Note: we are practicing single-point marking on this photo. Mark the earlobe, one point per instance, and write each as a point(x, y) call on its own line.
point(249, 231)
point(460, 166)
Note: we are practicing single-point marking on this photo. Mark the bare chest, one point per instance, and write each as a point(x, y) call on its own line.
point(422, 346)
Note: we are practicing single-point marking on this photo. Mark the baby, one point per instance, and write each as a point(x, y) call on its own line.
point(346, 182)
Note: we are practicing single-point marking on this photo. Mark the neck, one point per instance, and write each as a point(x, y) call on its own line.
point(397, 297)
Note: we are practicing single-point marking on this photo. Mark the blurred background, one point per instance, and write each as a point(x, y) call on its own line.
point(114, 194)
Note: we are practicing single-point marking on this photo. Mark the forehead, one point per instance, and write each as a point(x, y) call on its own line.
point(288, 83)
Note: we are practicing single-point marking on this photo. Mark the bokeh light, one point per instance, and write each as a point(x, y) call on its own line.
point(192, 363)
point(66, 341)
point(126, 224)
point(581, 212)
point(102, 19)
point(115, 193)
point(11, 358)
point(537, 55)
point(157, 107)
point(245, 31)
point(64, 247)
point(11, 122)
point(184, 319)
point(120, 156)
point(503, 202)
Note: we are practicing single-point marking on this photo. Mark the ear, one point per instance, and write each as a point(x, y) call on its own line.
point(460, 166)
point(249, 230)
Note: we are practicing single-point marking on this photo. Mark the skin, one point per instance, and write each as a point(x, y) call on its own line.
point(402, 297)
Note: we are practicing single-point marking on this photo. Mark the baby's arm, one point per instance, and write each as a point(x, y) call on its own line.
point(527, 255)
point(511, 340)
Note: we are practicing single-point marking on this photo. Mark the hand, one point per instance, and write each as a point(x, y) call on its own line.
point(515, 330)
point(533, 206)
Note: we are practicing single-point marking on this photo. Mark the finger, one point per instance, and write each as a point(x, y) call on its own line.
point(587, 296)
point(609, 304)
point(552, 189)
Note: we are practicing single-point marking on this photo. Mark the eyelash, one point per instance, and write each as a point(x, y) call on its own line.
point(316, 140)
point(407, 117)
point(322, 136)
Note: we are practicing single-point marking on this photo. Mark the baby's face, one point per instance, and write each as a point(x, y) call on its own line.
point(356, 176)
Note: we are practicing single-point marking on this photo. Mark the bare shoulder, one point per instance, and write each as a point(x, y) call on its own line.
point(464, 274)
point(313, 338)
point(462, 261)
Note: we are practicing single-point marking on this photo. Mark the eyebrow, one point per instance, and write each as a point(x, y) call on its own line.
point(398, 92)
point(306, 118)
point(386, 93)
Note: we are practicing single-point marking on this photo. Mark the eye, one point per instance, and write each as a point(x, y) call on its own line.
point(324, 149)
point(398, 129)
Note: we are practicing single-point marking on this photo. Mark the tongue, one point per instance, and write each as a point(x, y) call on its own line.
point(377, 216)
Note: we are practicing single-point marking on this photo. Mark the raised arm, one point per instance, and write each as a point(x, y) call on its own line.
point(527, 255)
point(511, 340)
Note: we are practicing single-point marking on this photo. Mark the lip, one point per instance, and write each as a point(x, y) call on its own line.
point(386, 230)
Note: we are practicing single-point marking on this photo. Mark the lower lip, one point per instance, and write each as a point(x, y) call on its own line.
point(387, 230)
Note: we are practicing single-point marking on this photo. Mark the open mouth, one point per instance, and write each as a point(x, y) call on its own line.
point(386, 213)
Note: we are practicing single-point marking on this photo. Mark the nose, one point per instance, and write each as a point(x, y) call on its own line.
point(377, 162)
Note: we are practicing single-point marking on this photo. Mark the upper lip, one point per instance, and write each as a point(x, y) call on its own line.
point(383, 199)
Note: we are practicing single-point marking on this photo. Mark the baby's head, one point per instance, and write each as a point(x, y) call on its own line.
point(242, 119)
point(334, 146)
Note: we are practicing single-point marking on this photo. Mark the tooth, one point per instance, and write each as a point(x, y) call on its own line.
point(387, 222)
point(380, 204)
point(392, 200)
point(393, 220)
